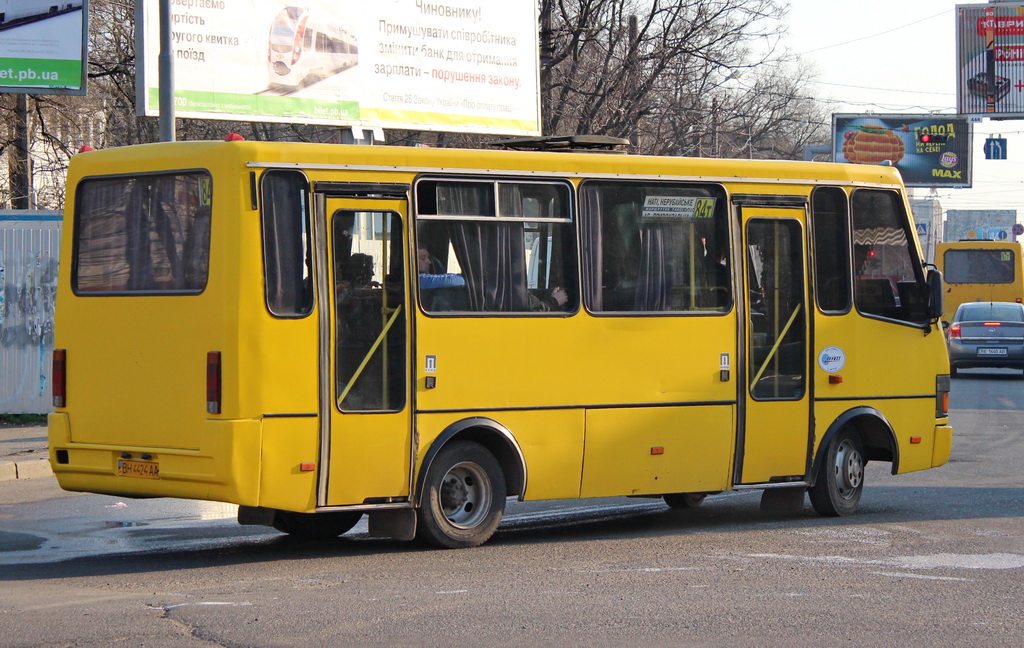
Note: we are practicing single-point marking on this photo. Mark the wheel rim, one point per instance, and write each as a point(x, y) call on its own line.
point(465, 495)
point(849, 469)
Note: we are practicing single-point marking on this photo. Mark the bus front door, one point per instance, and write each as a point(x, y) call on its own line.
point(774, 429)
point(366, 432)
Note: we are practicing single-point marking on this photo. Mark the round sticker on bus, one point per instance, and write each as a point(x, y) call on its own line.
point(831, 359)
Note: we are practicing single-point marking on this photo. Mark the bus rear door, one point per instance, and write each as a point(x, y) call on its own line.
point(774, 428)
point(364, 392)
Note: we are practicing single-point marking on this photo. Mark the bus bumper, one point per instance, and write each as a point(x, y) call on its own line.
point(943, 445)
point(225, 468)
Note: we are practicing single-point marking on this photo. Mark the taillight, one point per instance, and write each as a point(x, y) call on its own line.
point(213, 389)
point(993, 323)
point(59, 377)
point(954, 331)
point(941, 396)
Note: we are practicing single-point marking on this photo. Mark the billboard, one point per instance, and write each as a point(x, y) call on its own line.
point(980, 224)
point(414, 64)
point(43, 46)
point(929, 150)
point(990, 59)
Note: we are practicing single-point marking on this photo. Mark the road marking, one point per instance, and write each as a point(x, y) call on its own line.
point(923, 577)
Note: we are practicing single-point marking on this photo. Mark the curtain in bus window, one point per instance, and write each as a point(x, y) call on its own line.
point(492, 259)
point(143, 234)
point(491, 254)
point(287, 258)
point(887, 278)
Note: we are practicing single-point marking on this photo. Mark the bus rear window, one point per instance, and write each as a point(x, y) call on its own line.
point(978, 266)
point(142, 234)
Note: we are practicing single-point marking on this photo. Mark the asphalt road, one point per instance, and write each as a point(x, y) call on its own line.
point(933, 558)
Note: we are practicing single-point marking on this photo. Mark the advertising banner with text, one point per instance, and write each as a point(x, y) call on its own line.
point(413, 64)
point(43, 46)
point(990, 59)
point(929, 150)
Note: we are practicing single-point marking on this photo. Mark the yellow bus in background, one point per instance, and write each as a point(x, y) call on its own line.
point(318, 332)
point(980, 271)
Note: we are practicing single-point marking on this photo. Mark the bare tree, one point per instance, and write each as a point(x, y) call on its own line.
point(662, 73)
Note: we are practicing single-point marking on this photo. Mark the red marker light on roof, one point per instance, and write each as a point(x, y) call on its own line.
point(233, 137)
point(85, 149)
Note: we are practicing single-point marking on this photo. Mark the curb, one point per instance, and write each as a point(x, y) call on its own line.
point(31, 469)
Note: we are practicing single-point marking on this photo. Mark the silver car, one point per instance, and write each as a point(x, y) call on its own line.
point(986, 334)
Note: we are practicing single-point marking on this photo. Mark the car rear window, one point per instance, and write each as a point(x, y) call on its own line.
point(992, 312)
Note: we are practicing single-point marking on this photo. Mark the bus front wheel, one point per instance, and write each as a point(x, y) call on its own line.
point(463, 497)
point(840, 480)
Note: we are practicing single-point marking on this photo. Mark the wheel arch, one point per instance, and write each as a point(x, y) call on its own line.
point(492, 435)
point(876, 436)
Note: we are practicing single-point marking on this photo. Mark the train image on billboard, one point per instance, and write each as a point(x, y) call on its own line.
point(306, 47)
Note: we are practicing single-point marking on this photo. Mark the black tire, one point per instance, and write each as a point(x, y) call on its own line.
point(319, 526)
point(840, 480)
point(684, 500)
point(463, 497)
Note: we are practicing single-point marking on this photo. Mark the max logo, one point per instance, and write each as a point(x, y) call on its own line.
point(827, 359)
point(947, 173)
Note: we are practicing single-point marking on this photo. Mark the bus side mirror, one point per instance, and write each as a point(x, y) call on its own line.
point(936, 294)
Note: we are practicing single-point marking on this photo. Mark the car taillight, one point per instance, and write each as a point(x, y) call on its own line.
point(59, 377)
point(213, 389)
point(993, 323)
point(954, 331)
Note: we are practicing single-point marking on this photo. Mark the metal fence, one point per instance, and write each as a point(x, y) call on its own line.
point(29, 249)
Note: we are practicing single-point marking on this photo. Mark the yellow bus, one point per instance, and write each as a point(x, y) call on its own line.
point(317, 332)
point(976, 270)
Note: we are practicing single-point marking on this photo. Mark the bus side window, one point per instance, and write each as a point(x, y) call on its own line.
point(511, 249)
point(829, 216)
point(884, 259)
point(287, 254)
point(655, 247)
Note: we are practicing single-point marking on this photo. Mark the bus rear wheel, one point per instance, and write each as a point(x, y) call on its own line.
point(684, 500)
point(840, 480)
point(319, 526)
point(463, 497)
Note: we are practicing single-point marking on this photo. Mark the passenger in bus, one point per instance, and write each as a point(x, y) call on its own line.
point(355, 280)
point(430, 279)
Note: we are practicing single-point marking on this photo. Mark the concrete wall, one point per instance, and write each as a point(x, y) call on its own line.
point(29, 249)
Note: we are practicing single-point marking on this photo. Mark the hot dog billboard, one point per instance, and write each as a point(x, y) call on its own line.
point(928, 150)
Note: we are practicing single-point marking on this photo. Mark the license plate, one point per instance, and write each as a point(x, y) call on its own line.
point(142, 469)
point(992, 352)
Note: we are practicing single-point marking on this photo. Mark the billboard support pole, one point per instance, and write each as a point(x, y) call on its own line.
point(166, 63)
point(21, 167)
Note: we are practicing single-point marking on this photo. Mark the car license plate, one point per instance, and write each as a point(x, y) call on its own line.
point(995, 351)
point(143, 469)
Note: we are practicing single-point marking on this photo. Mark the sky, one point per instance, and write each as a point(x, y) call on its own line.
point(899, 56)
